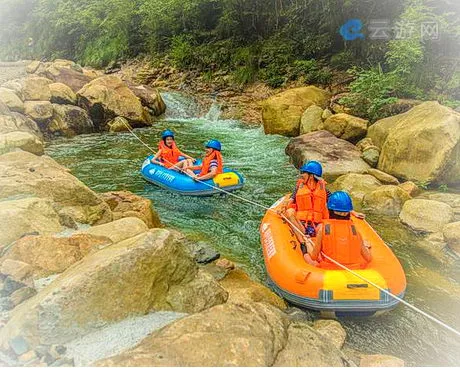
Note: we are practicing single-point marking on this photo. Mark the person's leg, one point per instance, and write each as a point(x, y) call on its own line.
point(299, 229)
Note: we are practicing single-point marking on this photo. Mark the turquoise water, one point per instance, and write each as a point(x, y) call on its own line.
point(107, 162)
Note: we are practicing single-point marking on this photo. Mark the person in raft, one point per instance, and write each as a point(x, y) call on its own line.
point(212, 164)
point(169, 155)
point(338, 238)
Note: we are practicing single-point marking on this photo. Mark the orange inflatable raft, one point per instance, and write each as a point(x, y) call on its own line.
point(334, 293)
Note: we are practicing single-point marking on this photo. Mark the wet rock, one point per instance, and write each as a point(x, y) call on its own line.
point(435, 245)
point(411, 188)
point(35, 88)
point(126, 204)
point(24, 174)
point(242, 289)
point(452, 199)
point(69, 120)
point(107, 97)
point(47, 255)
point(332, 330)
point(133, 277)
point(150, 98)
point(10, 142)
point(118, 230)
point(225, 263)
point(379, 360)
point(371, 155)
point(217, 272)
point(337, 156)
point(311, 119)
point(424, 145)
point(282, 112)
point(17, 270)
point(203, 253)
point(451, 234)
point(119, 124)
point(383, 177)
point(10, 99)
point(19, 345)
point(22, 295)
point(348, 127)
point(22, 216)
point(62, 94)
point(385, 200)
point(424, 215)
point(357, 185)
point(40, 111)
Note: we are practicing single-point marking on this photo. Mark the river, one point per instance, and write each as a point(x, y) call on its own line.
point(111, 161)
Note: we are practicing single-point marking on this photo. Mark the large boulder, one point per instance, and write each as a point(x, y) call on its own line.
point(245, 334)
point(424, 145)
point(107, 97)
point(67, 73)
point(133, 277)
point(21, 140)
point(40, 111)
point(337, 156)
point(118, 230)
point(127, 204)
point(62, 94)
point(378, 132)
point(357, 185)
point(150, 98)
point(10, 99)
point(424, 215)
point(385, 200)
point(22, 173)
point(451, 234)
point(28, 215)
point(348, 127)
point(35, 88)
point(48, 255)
point(69, 120)
point(311, 119)
point(282, 112)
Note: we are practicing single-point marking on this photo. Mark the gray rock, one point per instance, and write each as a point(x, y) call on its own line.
point(203, 253)
point(10, 286)
point(19, 345)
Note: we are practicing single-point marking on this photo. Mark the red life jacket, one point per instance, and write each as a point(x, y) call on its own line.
point(169, 155)
point(215, 155)
point(341, 242)
point(311, 204)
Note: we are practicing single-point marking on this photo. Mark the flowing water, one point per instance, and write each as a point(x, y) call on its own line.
point(112, 161)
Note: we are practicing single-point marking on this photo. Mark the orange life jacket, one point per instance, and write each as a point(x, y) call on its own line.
point(169, 155)
point(342, 242)
point(215, 155)
point(311, 204)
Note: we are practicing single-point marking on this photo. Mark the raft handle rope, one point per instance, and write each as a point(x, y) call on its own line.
point(434, 319)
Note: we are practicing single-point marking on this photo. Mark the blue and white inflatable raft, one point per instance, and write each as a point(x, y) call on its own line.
point(175, 181)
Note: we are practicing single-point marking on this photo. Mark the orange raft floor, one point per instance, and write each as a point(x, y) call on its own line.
point(333, 292)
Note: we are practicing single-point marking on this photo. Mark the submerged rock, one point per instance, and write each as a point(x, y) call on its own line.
point(282, 112)
point(133, 277)
point(337, 156)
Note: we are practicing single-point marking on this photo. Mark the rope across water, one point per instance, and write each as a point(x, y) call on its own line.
point(247, 200)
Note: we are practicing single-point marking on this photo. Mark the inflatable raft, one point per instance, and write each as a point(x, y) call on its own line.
point(334, 293)
point(175, 181)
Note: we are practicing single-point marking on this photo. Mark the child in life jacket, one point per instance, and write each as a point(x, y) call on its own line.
point(212, 164)
point(338, 238)
point(169, 155)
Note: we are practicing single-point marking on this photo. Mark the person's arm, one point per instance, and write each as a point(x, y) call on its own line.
point(155, 160)
point(366, 251)
point(317, 244)
point(211, 174)
point(187, 156)
point(359, 215)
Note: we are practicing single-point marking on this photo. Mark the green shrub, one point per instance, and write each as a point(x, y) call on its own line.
point(343, 60)
point(181, 51)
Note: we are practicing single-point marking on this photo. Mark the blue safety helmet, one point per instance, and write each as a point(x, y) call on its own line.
point(167, 133)
point(215, 144)
point(312, 167)
point(340, 201)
